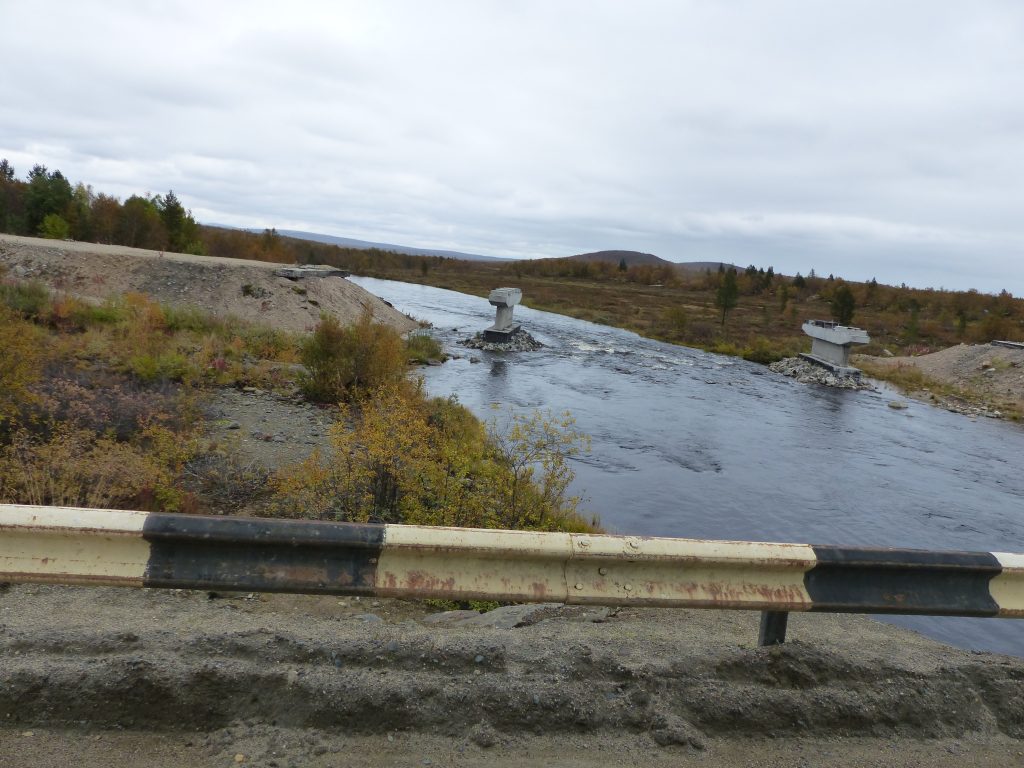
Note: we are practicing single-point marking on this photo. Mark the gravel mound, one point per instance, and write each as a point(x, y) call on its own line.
point(520, 341)
point(808, 373)
point(238, 287)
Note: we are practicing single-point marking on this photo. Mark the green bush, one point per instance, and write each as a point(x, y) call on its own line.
point(422, 348)
point(763, 351)
point(107, 313)
point(160, 366)
point(187, 319)
point(268, 343)
point(29, 299)
point(343, 362)
point(54, 227)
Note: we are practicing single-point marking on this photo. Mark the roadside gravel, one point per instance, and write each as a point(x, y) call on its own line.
point(123, 677)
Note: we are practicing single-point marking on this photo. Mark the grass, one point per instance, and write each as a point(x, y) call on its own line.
point(421, 348)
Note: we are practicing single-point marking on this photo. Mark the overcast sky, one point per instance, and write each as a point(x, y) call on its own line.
point(866, 139)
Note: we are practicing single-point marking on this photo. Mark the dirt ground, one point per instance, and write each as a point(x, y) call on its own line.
point(993, 376)
point(107, 677)
point(245, 289)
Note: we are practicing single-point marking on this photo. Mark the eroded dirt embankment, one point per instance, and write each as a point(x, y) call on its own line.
point(664, 681)
point(974, 379)
point(242, 288)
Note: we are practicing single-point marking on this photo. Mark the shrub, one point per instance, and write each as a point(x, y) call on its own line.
point(422, 348)
point(110, 312)
point(409, 460)
point(75, 468)
point(227, 482)
point(764, 352)
point(344, 362)
point(104, 402)
point(673, 323)
point(30, 299)
point(186, 319)
point(270, 343)
point(54, 227)
point(993, 326)
point(21, 362)
point(534, 452)
point(254, 291)
point(150, 368)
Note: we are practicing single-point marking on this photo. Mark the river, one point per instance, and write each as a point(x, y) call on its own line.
point(691, 444)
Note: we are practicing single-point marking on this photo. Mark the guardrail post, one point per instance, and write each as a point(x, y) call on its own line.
point(773, 628)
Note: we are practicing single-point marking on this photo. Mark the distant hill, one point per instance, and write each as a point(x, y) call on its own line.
point(631, 258)
point(700, 266)
point(348, 242)
point(636, 257)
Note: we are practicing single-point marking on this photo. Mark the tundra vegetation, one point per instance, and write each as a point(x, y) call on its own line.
point(101, 406)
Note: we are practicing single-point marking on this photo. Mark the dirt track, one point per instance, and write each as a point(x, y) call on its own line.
point(245, 289)
point(123, 677)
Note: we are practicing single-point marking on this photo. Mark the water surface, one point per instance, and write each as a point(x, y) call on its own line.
point(692, 444)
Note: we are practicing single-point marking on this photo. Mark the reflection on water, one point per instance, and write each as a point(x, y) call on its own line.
point(686, 443)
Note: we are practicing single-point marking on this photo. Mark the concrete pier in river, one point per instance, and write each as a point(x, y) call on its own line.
point(830, 345)
point(505, 300)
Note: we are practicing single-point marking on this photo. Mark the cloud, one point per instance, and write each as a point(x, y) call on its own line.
point(864, 139)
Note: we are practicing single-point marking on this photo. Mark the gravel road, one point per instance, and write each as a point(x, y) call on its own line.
point(141, 677)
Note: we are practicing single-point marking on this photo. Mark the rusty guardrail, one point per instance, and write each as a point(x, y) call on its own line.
point(140, 549)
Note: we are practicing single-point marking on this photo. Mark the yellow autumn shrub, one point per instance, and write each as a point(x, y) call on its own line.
point(74, 468)
point(403, 458)
point(21, 359)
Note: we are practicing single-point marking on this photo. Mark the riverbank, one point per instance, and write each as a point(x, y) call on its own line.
point(979, 380)
point(174, 678)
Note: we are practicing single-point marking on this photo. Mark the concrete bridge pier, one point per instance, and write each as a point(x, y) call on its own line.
point(505, 300)
point(830, 345)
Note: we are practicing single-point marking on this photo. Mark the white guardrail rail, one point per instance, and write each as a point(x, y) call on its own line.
point(62, 545)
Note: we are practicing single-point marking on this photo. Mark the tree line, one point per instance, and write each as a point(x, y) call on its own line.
point(45, 204)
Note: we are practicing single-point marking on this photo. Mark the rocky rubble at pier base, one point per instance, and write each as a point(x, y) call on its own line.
point(808, 373)
point(519, 341)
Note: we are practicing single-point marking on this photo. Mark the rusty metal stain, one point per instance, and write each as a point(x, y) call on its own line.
point(425, 582)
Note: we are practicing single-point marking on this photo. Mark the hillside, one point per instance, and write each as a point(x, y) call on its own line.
point(632, 258)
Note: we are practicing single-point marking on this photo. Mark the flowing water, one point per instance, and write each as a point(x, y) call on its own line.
point(691, 444)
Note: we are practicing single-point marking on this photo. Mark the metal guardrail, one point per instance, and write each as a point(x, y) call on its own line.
point(140, 549)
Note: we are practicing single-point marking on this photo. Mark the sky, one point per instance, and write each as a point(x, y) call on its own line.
point(865, 139)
